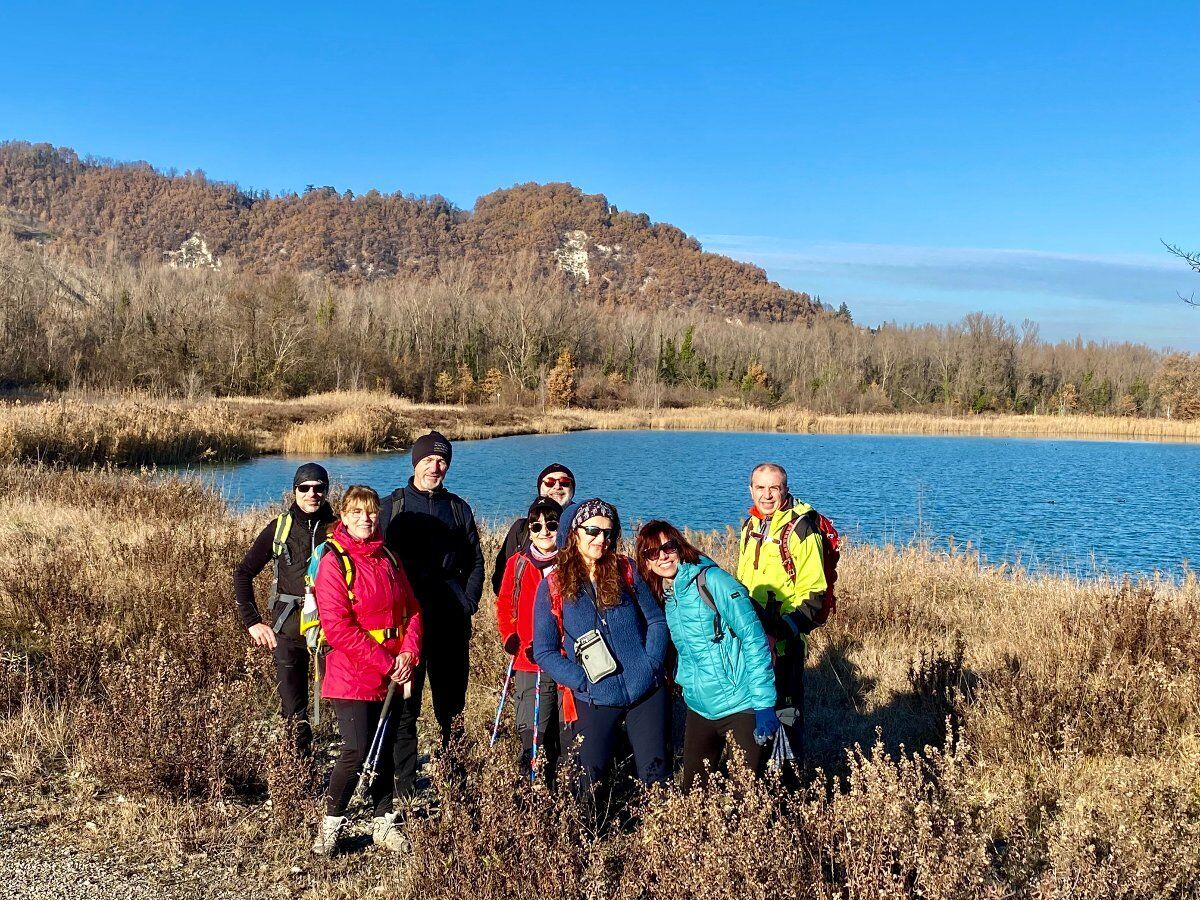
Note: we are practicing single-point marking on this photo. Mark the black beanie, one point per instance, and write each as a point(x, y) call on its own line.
point(432, 444)
point(544, 506)
point(311, 472)
point(554, 467)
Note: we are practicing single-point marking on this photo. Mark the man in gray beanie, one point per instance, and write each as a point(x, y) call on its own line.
point(287, 541)
point(433, 532)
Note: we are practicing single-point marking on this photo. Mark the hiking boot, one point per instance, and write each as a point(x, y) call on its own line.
point(386, 833)
point(327, 835)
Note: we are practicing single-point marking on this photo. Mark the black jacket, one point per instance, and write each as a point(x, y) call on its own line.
point(514, 543)
point(307, 533)
point(435, 536)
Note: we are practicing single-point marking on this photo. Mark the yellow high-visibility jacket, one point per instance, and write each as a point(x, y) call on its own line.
point(761, 566)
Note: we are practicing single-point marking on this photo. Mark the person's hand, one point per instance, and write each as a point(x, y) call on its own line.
point(766, 725)
point(512, 644)
point(402, 671)
point(261, 635)
point(529, 654)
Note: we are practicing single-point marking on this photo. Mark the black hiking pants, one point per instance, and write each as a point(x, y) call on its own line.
point(291, 676)
point(396, 772)
point(789, 695)
point(446, 663)
point(704, 740)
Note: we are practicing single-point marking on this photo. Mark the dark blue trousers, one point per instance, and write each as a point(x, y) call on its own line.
point(646, 724)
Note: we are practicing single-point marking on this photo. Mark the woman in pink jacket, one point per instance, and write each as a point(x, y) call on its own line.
point(373, 626)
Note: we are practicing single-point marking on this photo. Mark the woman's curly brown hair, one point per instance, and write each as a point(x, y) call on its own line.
point(571, 574)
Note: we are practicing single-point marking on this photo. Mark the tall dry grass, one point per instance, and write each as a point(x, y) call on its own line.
point(138, 430)
point(796, 419)
point(979, 732)
point(127, 432)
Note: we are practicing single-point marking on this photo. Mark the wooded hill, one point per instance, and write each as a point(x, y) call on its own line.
point(137, 213)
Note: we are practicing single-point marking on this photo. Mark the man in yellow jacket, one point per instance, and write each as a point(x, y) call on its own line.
point(780, 562)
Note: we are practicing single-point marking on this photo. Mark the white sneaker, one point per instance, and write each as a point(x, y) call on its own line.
point(327, 835)
point(386, 833)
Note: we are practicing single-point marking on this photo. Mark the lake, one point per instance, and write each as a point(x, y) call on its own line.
point(1078, 506)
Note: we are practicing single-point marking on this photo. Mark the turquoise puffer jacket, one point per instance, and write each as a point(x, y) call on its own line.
point(723, 677)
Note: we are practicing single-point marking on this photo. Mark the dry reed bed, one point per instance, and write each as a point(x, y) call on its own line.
point(1073, 712)
point(127, 432)
point(137, 430)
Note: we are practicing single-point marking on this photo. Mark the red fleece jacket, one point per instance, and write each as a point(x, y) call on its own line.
point(357, 666)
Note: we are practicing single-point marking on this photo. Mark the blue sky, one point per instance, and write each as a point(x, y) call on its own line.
point(917, 161)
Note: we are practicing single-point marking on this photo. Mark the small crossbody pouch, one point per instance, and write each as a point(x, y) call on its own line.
point(595, 657)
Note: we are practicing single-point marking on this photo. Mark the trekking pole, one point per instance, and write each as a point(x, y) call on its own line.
point(503, 697)
point(537, 708)
point(367, 776)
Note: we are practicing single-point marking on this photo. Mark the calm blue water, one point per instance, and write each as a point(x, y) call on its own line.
point(1082, 507)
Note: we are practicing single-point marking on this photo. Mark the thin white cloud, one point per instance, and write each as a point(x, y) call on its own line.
point(1141, 279)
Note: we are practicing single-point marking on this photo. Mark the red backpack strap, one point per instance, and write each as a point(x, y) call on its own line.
point(785, 550)
point(627, 574)
point(518, 575)
point(556, 602)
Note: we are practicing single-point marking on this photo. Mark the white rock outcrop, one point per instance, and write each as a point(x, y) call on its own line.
point(192, 254)
point(572, 256)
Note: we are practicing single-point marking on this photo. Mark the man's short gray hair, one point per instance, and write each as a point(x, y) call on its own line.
point(773, 467)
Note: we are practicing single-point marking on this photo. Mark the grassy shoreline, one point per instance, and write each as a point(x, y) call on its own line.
point(139, 431)
point(1070, 772)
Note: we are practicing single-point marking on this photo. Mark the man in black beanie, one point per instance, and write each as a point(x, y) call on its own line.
point(288, 541)
point(433, 533)
point(555, 481)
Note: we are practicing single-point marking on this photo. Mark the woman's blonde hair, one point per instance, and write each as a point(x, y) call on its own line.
point(359, 496)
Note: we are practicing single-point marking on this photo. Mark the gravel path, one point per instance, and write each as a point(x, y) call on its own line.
point(35, 865)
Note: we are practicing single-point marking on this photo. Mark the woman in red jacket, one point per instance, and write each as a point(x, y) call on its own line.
point(523, 573)
point(373, 626)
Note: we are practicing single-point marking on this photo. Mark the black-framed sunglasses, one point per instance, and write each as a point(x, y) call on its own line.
point(310, 489)
point(551, 527)
point(595, 530)
point(667, 547)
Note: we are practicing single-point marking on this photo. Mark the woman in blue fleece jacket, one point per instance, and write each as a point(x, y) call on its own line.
point(724, 663)
point(600, 591)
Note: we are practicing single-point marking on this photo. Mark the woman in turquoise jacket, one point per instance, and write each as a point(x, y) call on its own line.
point(724, 662)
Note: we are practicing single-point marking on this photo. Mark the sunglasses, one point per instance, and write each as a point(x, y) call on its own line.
point(595, 531)
point(310, 489)
point(665, 549)
point(536, 527)
point(564, 481)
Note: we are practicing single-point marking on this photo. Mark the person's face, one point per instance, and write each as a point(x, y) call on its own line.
point(543, 533)
point(592, 545)
point(665, 561)
point(767, 488)
point(430, 472)
point(309, 496)
point(360, 523)
point(559, 487)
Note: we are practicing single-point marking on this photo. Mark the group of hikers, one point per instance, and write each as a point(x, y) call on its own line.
point(380, 597)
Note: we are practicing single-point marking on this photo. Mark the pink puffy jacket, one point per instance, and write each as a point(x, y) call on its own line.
point(357, 666)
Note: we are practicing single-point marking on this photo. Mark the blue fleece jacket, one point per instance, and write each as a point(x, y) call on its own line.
point(635, 631)
point(725, 676)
